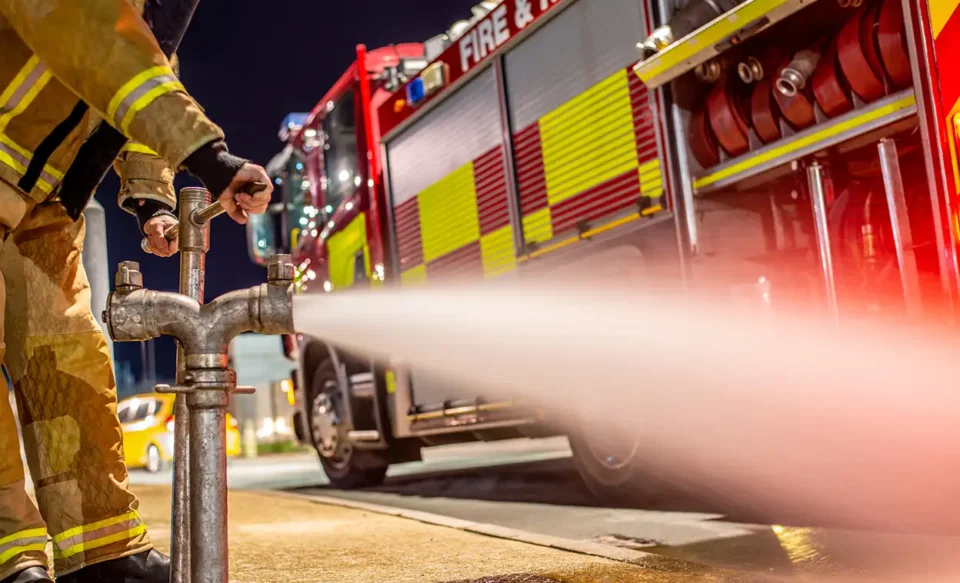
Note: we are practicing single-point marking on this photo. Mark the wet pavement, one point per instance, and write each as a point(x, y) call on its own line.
point(548, 497)
point(282, 539)
point(534, 488)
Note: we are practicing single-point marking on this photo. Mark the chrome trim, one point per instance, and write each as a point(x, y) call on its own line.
point(509, 160)
point(818, 201)
point(710, 51)
point(900, 225)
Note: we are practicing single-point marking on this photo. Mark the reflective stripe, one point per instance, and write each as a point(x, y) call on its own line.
point(17, 97)
point(32, 78)
point(18, 158)
point(139, 148)
point(140, 92)
point(98, 534)
point(34, 539)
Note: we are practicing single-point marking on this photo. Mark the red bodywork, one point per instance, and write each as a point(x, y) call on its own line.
point(471, 50)
point(369, 195)
point(936, 31)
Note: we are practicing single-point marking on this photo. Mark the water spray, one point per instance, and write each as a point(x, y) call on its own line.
point(783, 414)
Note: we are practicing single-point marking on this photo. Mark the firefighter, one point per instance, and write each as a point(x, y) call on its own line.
point(64, 67)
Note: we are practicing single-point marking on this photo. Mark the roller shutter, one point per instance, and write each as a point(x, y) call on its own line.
point(584, 125)
point(449, 189)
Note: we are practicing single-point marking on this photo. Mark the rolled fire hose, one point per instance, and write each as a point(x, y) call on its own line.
point(829, 87)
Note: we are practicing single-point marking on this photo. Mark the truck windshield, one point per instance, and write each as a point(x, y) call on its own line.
point(340, 152)
point(296, 187)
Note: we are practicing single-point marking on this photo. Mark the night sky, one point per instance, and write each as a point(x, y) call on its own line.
point(249, 64)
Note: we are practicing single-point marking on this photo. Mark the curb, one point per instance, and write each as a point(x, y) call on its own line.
point(564, 544)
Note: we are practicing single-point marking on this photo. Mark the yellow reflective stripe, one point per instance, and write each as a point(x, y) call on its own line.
point(31, 539)
point(94, 526)
point(29, 155)
point(498, 251)
point(26, 100)
point(654, 209)
point(588, 140)
point(14, 551)
point(131, 85)
point(18, 79)
point(148, 98)
point(17, 157)
point(99, 542)
point(139, 148)
point(805, 141)
point(538, 226)
point(414, 275)
point(448, 213)
point(613, 224)
point(29, 533)
point(711, 34)
point(21, 92)
point(940, 12)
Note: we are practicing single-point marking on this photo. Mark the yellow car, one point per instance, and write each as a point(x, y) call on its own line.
point(147, 422)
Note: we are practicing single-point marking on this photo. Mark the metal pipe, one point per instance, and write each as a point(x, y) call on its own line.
point(193, 249)
point(204, 383)
point(794, 77)
point(208, 484)
point(900, 225)
point(818, 201)
point(143, 314)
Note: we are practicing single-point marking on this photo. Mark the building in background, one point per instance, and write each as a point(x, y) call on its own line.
point(268, 413)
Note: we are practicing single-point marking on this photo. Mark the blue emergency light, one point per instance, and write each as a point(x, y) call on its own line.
point(416, 92)
point(292, 123)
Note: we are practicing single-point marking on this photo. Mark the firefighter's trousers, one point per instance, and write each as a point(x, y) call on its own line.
point(66, 399)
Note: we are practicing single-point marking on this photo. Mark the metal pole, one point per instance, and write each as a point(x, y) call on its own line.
point(207, 403)
point(95, 261)
point(208, 479)
point(900, 225)
point(194, 243)
point(818, 201)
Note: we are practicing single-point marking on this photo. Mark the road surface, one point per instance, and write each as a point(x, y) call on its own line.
point(532, 486)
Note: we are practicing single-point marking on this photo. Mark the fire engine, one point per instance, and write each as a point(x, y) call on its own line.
point(789, 150)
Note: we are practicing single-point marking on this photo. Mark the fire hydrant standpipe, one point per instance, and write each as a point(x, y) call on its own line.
point(204, 381)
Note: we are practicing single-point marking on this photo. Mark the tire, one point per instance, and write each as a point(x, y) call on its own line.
point(154, 459)
point(346, 467)
point(613, 473)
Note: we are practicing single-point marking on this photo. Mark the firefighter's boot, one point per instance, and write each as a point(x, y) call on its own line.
point(29, 575)
point(148, 567)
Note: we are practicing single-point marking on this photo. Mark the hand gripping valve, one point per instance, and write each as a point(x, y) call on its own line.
point(204, 380)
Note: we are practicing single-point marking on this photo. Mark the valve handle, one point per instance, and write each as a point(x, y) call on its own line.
point(203, 215)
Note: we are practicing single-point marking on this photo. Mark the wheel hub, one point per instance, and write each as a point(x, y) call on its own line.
point(153, 459)
point(326, 424)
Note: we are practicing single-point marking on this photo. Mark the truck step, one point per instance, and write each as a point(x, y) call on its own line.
point(364, 435)
point(362, 385)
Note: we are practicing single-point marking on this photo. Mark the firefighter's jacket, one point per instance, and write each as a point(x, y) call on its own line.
point(54, 53)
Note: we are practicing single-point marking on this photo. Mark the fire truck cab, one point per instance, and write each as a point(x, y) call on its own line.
point(779, 150)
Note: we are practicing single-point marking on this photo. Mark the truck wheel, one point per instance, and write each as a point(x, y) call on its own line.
point(346, 467)
point(611, 471)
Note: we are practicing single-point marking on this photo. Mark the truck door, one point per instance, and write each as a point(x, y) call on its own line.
point(449, 190)
point(586, 131)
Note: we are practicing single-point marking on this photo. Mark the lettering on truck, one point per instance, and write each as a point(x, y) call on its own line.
point(494, 30)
